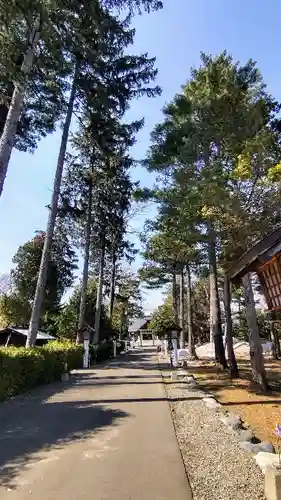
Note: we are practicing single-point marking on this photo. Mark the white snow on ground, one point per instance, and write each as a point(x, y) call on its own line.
point(241, 349)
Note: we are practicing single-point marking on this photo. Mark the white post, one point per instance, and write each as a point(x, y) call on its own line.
point(114, 349)
point(153, 340)
point(141, 339)
point(86, 354)
point(175, 351)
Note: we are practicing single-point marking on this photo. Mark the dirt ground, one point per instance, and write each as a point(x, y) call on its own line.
point(259, 411)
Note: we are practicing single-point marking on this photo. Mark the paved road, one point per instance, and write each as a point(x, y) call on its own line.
point(107, 435)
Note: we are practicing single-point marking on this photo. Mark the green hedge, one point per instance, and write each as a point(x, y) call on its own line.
point(23, 368)
point(66, 352)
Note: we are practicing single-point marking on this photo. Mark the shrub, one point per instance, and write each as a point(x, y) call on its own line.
point(104, 350)
point(101, 352)
point(23, 368)
point(66, 352)
point(20, 369)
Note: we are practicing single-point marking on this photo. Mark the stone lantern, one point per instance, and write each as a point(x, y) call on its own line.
point(171, 336)
point(87, 333)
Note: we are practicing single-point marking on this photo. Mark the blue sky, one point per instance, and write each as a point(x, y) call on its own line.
point(176, 35)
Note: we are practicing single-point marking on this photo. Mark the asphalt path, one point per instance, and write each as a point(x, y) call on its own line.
point(105, 435)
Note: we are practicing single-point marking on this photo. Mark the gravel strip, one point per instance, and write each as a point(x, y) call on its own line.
point(218, 469)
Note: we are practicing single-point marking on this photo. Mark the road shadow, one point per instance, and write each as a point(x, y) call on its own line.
point(48, 418)
point(144, 400)
point(274, 402)
point(122, 377)
point(37, 428)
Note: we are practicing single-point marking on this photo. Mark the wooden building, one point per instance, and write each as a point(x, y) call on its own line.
point(11, 336)
point(263, 258)
point(140, 328)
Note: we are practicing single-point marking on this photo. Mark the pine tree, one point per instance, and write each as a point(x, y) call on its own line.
point(91, 81)
point(218, 132)
point(33, 34)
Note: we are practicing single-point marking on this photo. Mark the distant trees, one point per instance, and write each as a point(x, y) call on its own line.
point(163, 317)
point(128, 299)
point(68, 320)
point(60, 270)
point(15, 303)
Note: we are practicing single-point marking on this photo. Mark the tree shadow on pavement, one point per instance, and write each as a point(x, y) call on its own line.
point(38, 424)
point(85, 375)
point(103, 382)
point(145, 400)
point(38, 428)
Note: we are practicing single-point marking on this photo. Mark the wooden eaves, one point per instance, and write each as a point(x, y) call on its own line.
point(263, 251)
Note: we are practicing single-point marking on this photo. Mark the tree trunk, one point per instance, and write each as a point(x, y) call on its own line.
point(275, 341)
point(42, 276)
point(256, 354)
point(174, 293)
point(239, 311)
point(191, 347)
point(178, 298)
point(112, 285)
point(229, 333)
point(124, 319)
point(278, 350)
point(84, 285)
point(215, 314)
point(99, 293)
point(181, 308)
point(10, 128)
point(211, 323)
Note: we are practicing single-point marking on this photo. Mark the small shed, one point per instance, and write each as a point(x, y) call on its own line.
point(264, 258)
point(17, 337)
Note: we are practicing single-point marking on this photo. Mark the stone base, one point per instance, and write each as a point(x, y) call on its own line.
point(211, 403)
point(272, 483)
point(65, 377)
point(265, 460)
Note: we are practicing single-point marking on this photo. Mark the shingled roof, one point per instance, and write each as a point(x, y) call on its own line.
point(259, 253)
point(138, 324)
